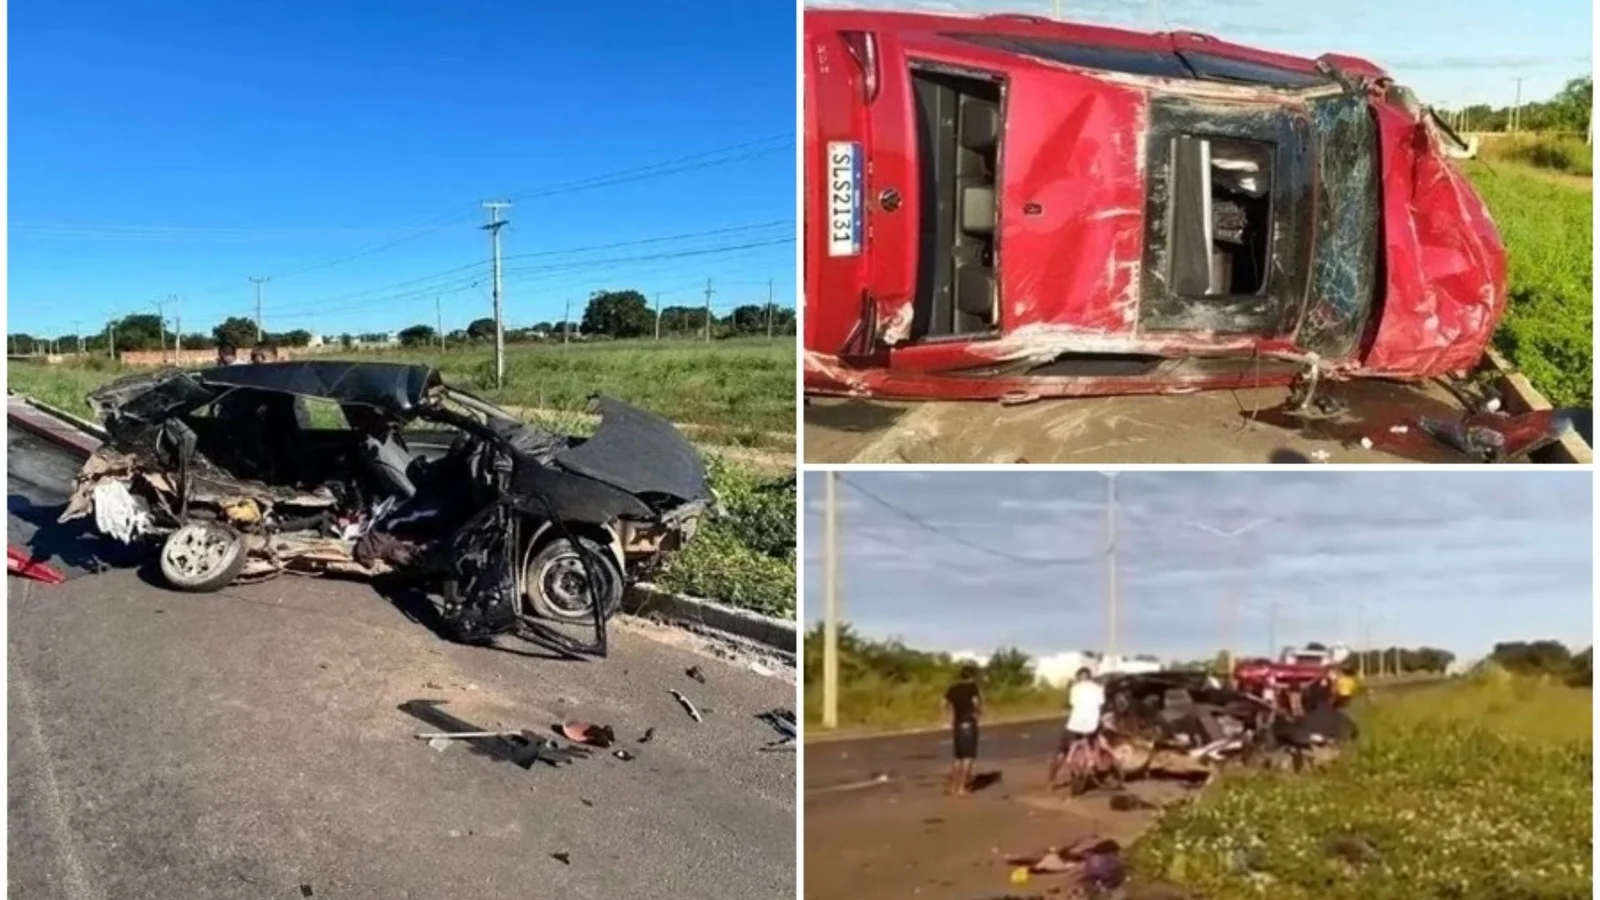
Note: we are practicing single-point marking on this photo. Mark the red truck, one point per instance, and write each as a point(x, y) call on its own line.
point(1009, 207)
point(1295, 668)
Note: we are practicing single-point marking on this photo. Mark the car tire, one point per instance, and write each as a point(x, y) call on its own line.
point(202, 557)
point(549, 570)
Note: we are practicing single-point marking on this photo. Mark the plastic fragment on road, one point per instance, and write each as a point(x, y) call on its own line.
point(21, 563)
point(588, 733)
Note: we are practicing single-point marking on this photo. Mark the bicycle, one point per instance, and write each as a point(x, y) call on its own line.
point(1090, 764)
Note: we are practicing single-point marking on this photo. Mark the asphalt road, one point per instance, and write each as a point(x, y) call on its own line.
point(251, 744)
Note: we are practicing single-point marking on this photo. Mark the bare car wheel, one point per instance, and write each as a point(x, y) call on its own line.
point(203, 557)
point(556, 585)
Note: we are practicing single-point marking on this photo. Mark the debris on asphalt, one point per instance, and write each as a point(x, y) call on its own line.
point(305, 890)
point(1321, 455)
point(695, 673)
point(1399, 429)
point(562, 857)
point(588, 733)
point(1366, 443)
point(624, 755)
point(761, 670)
point(782, 721)
point(648, 734)
point(520, 748)
point(687, 706)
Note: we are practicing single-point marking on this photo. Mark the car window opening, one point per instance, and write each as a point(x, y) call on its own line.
point(958, 146)
point(1221, 216)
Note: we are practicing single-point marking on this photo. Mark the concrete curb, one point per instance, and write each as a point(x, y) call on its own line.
point(648, 600)
point(644, 600)
point(23, 413)
point(1523, 397)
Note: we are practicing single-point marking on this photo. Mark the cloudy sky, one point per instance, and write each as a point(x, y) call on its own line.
point(1449, 52)
point(1016, 558)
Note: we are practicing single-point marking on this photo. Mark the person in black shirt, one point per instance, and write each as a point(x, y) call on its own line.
point(965, 705)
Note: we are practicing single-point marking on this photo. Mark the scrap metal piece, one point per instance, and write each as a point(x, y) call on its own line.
point(687, 706)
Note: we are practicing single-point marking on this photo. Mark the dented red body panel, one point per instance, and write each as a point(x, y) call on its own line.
point(1079, 255)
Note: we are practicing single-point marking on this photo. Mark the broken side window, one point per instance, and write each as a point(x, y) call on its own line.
point(1221, 215)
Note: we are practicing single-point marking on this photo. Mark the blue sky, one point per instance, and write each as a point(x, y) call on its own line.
point(1451, 53)
point(164, 148)
point(1458, 560)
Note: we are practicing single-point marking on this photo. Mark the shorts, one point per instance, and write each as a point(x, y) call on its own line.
point(1069, 737)
point(965, 736)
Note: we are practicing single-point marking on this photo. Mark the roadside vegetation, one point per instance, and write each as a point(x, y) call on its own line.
point(1477, 789)
point(1547, 226)
point(726, 396)
point(1565, 153)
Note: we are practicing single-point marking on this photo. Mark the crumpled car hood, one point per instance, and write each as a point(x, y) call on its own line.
point(638, 452)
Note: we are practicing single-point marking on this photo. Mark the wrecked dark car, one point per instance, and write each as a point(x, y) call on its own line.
point(1012, 208)
point(228, 473)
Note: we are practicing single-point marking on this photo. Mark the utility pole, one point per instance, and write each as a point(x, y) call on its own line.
point(769, 308)
point(258, 282)
point(495, 224)
point(709, 292)
point(177, 329)
point(1231, 613)
point(1111, 565)
point(1272, 629)
point(77, 329)
point(438, 321)
point(111, 336)
point(830, 620)
point(566, 322)
point(658, 315)
point(1516, 111)
point(161, 329)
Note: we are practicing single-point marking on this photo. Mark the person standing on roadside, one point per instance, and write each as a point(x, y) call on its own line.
point(1344, 688)
point(1086, 701)
point(964, 702)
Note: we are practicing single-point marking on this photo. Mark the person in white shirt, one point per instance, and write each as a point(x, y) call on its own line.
point(1086, 701)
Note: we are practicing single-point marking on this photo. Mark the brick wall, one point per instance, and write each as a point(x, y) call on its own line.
point(191, 359)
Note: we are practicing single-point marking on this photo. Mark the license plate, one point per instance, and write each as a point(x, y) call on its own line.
point(844, 198)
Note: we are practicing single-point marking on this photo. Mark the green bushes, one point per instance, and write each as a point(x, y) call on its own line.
point(744, 554)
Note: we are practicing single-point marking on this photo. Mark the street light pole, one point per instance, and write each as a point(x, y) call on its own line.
point(1231, 616)
point(830, 623)
point(1111, 566)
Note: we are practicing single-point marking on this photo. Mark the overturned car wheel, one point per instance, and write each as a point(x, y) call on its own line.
point(556, 585)
point(203, 557)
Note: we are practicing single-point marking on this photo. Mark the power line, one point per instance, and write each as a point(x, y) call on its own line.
point(692, 162)
point(971, 545)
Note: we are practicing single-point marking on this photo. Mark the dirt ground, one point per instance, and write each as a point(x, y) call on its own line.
point(904, 838)
point(1211, 427)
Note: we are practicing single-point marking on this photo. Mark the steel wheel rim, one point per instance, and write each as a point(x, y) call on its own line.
point(197, 552)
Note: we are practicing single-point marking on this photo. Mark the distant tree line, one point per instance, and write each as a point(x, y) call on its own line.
point(1567, 111)
point(1546, 658)
point(609, 315)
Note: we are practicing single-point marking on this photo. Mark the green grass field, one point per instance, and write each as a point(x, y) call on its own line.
point(728, 394)
point(1547, 225)
point(1480, 789)
point(734, 393)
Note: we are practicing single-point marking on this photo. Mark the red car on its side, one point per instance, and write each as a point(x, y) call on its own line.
point(1007, 206)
